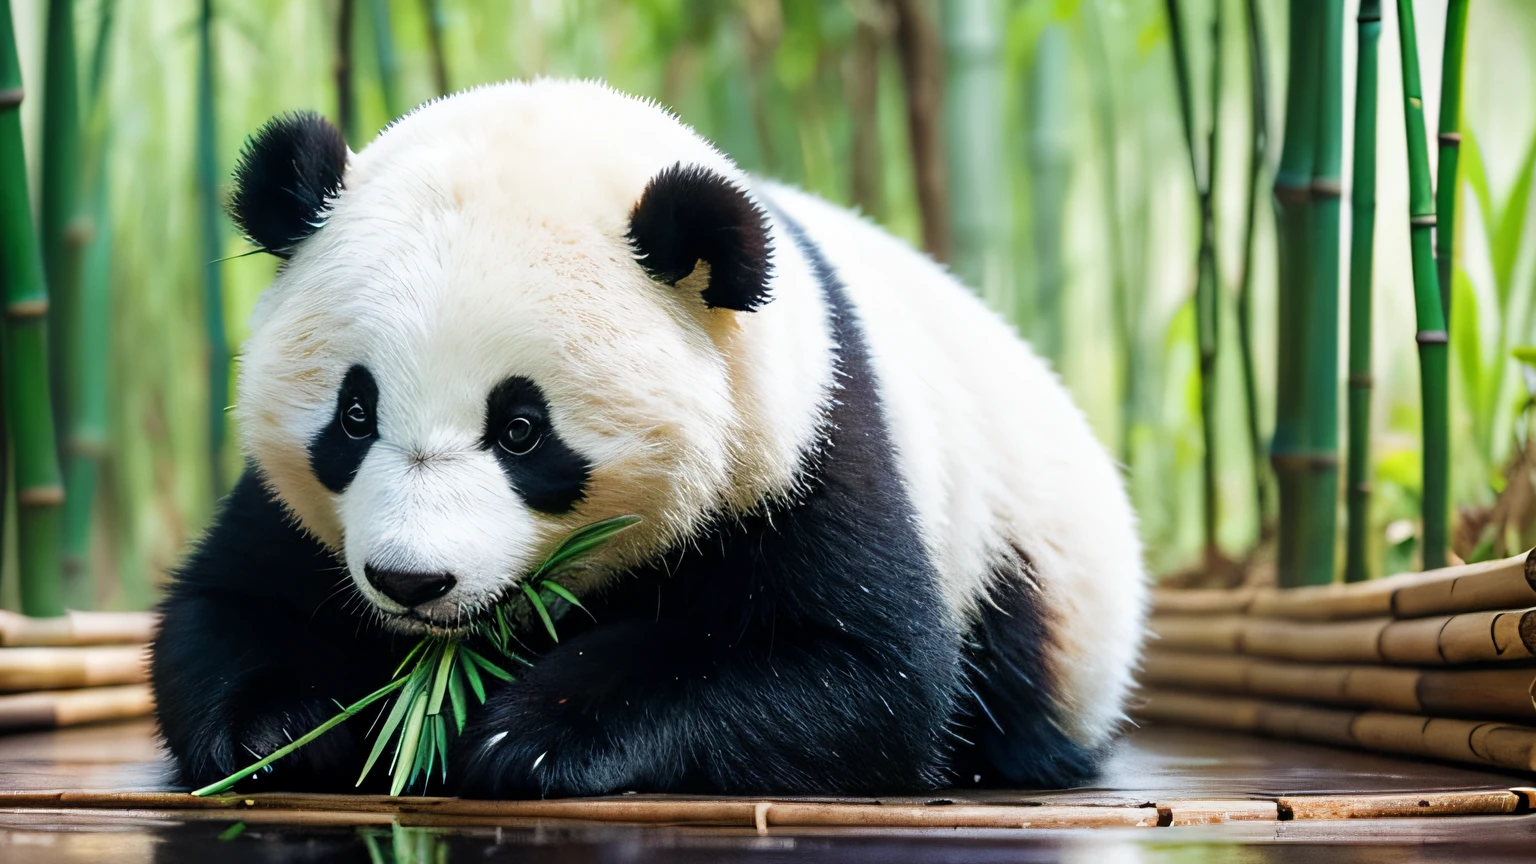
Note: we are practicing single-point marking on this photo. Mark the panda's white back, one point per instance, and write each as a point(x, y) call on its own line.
point(996, 457)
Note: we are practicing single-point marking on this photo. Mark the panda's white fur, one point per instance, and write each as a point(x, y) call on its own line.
point(484, 235)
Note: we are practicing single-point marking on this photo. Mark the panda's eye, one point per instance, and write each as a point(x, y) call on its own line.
point(355, 419)
point(520, 437)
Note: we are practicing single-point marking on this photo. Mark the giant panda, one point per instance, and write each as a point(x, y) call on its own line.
point(881, 550)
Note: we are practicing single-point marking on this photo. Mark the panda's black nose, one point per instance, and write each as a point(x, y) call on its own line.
point(409, 588)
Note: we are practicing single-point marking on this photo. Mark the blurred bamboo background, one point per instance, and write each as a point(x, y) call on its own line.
point(1091, 167)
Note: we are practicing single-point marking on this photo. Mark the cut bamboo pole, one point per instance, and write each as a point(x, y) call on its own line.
point(1470, 637)
point(1361, 249)
point(24, 669)
point(1446, 185)
point(1411, 805)
point(1434, 353)
point(29, 413)
point(77, 628)
point(1488, 585)
point(1498, 745)
point(1503, 694)
point(50, 709)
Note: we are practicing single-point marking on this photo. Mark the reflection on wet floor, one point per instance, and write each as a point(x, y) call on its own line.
point(1149, 765)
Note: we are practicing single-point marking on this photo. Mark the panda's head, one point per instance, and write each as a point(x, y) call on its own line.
point(508, 316)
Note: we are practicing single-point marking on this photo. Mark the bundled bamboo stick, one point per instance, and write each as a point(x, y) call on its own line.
point(65, 668)
point(1482, 693)
point(77, 628)
point(49, 709)
point(1472, 637)
point(1498, 745)
point(1509, 583)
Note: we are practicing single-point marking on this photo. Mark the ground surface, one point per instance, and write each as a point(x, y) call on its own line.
point(1150, 767)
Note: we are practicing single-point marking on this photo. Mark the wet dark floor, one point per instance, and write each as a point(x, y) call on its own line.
point(1148, 765)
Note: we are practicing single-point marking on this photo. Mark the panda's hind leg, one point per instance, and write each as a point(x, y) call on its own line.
point(1010, 731)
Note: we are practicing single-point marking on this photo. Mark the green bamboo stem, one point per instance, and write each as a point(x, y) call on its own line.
point(1450, 148)
point(1258, 156)
point(39, 488)
point(1050, 163)
point(1361, 250)
point(61, 225)
point(1202, 166)
point(974, 144)
point(384, 53)
point(432, 13)
point(211, 215)
point(85, 443)
point(1293, 199)
point(346, 107)
point(1434, 348)
point(1321, 493)
point(1122, 299)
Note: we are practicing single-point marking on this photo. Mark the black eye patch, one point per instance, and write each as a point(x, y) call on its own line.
point(549, 475)
point(337, 452)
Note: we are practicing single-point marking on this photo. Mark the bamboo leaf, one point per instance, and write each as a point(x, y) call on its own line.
point(412, 653)
point(559, 590)
point(473, 674)
point(487, 665)
point(442, 746)
point(440, 679)
point(1510, 228)
point(538, 606)
point(582, 542)
point(409, 740)
point(456, 694)
point(387, 731)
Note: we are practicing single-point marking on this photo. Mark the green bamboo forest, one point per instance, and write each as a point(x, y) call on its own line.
point(1302, 318)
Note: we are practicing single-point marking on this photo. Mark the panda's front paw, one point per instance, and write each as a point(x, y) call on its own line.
point(327, 764)
point(530, 760)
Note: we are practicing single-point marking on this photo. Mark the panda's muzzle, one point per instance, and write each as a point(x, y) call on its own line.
point(409, 588)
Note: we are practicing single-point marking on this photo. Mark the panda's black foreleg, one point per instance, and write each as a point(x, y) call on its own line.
point(650, 705)
point(255, 649)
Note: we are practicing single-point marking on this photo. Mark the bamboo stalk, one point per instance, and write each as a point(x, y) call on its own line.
point(1297, 563)
point(866, 172)
point(1434, 353)
point(346, 108)
point(1498, 745)
point(1446, 185)
point(384, 53)
point(1050, 165)
point(77, 628)
point(975, 146)
point(1469, 637)
point(1503, 694)
point(212, 238)
point(39, 488)
point(1361, 249)
point(85, 442)
point(51, 709)
point(24, 669)
point(1202, 167)
point(432, 13)
point(60, 231)
point(1258, 156)
point(1504, 584)
point(918, 49)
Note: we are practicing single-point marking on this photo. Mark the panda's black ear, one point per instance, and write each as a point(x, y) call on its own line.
point(692, 214)
point(288, 173)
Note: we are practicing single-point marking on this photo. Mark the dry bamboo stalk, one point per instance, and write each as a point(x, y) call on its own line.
point(1506, 584)
point(1211, 812)
point(1193, 632)
point(1472, 637)
point(1201, 601)
point(1329, 641)
point(1488, 803)
point(1500, 745)
point(77, 628)
point(72, 707)
point(1481, 693)
point(63, 668)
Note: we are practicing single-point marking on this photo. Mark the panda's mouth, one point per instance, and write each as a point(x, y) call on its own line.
point(414, 623)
